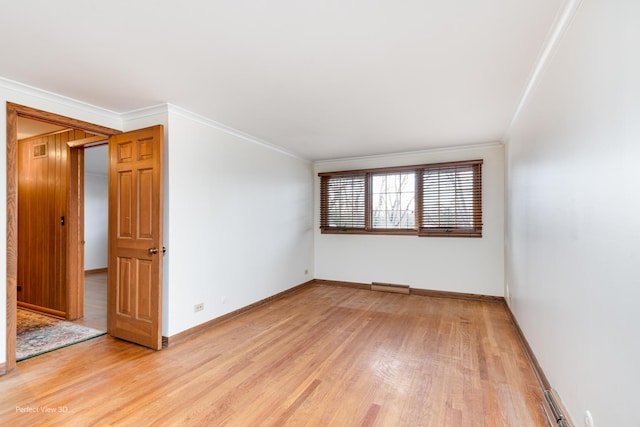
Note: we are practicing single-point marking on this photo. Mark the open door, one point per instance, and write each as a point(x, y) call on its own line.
point(135, 236)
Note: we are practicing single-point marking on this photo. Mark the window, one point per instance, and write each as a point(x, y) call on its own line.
point(344, 201)
point(393, 204)
point(443, 199)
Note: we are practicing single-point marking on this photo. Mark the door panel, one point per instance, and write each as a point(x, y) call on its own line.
point(135, 262)
point(125, 204)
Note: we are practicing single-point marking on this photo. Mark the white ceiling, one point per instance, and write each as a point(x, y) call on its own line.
point(324, 79)
point(30, 127)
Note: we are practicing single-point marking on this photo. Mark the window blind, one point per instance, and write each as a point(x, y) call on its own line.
point(451, 199)
point(446, 200)
point(344, 197)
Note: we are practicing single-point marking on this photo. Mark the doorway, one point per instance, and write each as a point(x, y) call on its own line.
point(136, 191)
point(96, 209)
point(75, 252)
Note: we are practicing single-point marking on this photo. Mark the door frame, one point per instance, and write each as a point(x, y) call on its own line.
point(74, 245)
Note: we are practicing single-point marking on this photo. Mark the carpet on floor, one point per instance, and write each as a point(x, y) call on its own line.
point(37, 334)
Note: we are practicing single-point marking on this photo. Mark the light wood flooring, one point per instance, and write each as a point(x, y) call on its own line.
point(95, 301)
point(324, 356)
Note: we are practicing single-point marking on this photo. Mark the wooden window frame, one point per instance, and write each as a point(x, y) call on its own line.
point(419, 229)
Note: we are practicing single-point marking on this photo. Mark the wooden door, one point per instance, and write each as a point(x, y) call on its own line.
point(135, 236)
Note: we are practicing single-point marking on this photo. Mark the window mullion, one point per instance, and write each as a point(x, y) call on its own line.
point(367, 202)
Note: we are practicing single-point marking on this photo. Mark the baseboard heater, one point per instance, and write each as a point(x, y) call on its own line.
point(555, 410)
point(390, 287)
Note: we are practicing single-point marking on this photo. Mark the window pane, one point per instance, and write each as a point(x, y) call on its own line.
point(345, 202)
point(393, 200)
point(448, 197)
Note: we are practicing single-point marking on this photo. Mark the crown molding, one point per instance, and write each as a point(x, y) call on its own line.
point(183, 112)
point(116, 119)
point(231, 131)
point(560, 25)
point(112, 118)
point(466, 147)
point(141, 113)
point(165, 108)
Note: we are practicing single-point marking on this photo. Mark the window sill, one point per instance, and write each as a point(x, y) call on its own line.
point(405, 232)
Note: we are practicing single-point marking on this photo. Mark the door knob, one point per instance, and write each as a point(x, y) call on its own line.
point(153, 251)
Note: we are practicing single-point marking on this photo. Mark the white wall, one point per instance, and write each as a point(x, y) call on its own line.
point(574, 215)
point(469, 265)
point(96, 211)
point(240, 221)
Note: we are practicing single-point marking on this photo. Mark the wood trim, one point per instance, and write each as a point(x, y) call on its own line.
point(371, 231)
point(441, 232)
point(13, 112)
point(416, 291)
point(402, 168)
point(3, 368)
point(181, 336)
point(533, 361)
point(57, 119)
point(45, 310)
point(12, 235)
point(75, 234)
point(86, 141)
point(96, 270)
point(456, 295)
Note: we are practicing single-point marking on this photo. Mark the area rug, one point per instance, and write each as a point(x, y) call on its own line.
point(37, 334)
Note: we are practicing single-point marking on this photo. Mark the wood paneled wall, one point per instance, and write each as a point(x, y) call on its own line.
point(43, 199)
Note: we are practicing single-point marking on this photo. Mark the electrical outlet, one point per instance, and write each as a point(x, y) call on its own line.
point(198, 307)
point(306, 272)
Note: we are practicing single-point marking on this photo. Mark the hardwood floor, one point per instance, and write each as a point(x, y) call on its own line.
point(95, 301)
point(325, 356)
